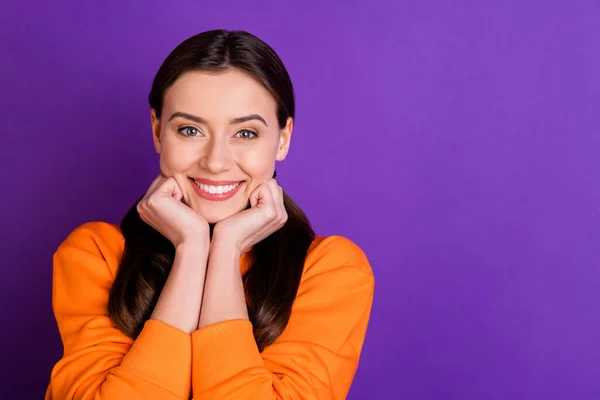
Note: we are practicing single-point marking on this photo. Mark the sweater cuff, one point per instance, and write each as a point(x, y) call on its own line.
point(222, 351)
point(161, 354)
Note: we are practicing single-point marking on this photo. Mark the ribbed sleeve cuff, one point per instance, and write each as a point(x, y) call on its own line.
point(161, 354)
point(222, 351)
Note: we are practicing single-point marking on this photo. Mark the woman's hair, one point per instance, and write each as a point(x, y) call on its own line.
point(271, 283)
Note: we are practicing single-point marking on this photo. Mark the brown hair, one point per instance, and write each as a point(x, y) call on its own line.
point(272, 282)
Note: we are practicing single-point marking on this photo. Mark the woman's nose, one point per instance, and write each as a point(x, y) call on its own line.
point(218, 157)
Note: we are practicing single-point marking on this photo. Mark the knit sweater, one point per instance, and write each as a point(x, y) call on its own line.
point(315, 357)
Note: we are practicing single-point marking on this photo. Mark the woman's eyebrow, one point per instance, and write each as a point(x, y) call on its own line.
point(237, 120)
point(188, 116)
point(250, 117)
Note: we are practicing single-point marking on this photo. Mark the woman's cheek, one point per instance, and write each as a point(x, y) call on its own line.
point(258, 165)
point(174, 161)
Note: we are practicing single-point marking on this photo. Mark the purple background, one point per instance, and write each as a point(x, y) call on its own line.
point(455, 142)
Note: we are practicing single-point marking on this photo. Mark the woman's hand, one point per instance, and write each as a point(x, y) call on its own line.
point(162, 209)
point(266, 215)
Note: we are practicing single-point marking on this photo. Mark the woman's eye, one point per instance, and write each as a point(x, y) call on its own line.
point(246, 134)
point(189, 131)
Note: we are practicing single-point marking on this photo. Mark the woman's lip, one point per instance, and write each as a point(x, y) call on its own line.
point(216, 196)
point(215, 183)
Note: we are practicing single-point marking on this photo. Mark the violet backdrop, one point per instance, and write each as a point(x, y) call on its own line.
point(455, 142)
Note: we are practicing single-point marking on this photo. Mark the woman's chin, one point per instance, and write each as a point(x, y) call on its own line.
point(214, 215)
point(215, 220)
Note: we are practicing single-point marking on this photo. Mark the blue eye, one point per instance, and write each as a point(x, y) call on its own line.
point(189, 131)
point(246, 134)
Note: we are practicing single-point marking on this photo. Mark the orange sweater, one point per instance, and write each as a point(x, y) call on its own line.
point(315, 357)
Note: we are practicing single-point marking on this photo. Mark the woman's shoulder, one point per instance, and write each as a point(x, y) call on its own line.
point(95, 232)
point(329, 253)
point(96, 239)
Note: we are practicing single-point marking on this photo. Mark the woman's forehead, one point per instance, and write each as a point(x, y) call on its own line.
point(226, 94)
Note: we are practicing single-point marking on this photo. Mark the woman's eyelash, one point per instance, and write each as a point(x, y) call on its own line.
point(191, 131)
point(252, 134)
point(188, 129)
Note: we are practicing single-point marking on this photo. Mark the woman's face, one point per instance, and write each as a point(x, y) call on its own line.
point(218, 136)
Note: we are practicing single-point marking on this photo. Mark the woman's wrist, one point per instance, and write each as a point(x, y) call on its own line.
point(220, 245)
point(193, 250)
point(201, 241)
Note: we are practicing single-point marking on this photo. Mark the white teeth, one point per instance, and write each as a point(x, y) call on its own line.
point(216, 189)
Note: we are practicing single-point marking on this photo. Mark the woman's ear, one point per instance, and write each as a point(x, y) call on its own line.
point(155, 130)
point(285, 138)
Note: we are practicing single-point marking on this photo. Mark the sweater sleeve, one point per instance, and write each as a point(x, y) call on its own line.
point(99, 361)
point(317, 354)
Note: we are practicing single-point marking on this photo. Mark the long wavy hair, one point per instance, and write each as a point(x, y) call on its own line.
point(271, 283)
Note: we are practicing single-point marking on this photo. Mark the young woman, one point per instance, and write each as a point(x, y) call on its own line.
point(214, 286)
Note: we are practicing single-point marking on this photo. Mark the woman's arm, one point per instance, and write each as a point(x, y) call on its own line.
point(224, 297)
point(100, 362)
point(181, 298)
point(316, 356)
point(163, 209)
